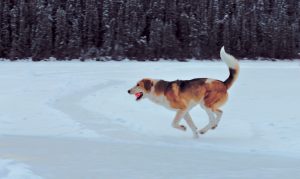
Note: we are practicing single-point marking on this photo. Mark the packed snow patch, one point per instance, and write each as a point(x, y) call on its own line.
point(13, 170)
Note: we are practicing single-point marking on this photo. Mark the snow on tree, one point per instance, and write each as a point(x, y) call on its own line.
point(147, 29)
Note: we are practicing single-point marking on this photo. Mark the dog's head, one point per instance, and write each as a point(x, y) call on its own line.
point(142, 88)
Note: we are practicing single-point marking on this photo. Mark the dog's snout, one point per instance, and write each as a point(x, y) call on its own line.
point(129, 91)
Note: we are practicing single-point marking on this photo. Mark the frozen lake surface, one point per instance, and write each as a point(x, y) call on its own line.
point(75, 120)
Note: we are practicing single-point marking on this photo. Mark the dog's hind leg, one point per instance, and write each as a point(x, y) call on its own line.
point(218, 113)
point(178, 117)
point(215, 109)
point(212, 121)
point(191, 124)
point(211, 105)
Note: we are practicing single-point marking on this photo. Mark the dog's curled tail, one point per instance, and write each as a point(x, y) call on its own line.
point(233, 66)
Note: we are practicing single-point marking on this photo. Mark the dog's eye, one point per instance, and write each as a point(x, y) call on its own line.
point(138, 85)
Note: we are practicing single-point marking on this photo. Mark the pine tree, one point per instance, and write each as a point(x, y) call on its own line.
point(60, 44)
point(1, 24)
point(108, 24)
point(169, 42)
point(155, 43)
point(198, 37)
point(42, 32)
point(24, 30)
point(74, 28)
point(14, 24)
point(5, 29)
point(182, 33)
point(215, 22)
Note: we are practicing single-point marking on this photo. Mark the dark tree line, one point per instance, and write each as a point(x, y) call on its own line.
point(148, 29)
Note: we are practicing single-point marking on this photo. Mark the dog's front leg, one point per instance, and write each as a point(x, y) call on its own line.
point(191, 124)
point(178, 117)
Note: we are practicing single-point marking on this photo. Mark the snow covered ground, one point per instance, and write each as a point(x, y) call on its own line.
point(75, 120)
point(12, 170)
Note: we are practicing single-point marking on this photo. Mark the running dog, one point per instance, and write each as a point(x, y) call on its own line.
point(182, 95)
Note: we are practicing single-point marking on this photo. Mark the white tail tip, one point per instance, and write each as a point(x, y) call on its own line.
point(228, 59)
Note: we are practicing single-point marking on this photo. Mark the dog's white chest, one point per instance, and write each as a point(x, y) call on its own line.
point(161, 100)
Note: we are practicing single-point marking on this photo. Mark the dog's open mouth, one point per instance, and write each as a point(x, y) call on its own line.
point(139, 95)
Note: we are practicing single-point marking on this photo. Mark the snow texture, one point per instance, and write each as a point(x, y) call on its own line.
point(12, 170)
point(76, 120)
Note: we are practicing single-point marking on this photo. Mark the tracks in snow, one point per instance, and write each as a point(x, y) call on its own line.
point(104, 126)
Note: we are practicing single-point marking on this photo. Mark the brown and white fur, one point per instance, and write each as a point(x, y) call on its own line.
point(183, 95)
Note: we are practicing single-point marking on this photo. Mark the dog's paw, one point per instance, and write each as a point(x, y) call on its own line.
point(202, 131)
point(182, 127)
point(213, 127)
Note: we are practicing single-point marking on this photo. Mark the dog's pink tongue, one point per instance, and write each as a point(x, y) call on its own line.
point(138, 94)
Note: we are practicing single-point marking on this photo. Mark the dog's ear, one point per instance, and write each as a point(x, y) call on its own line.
point(148, 84)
